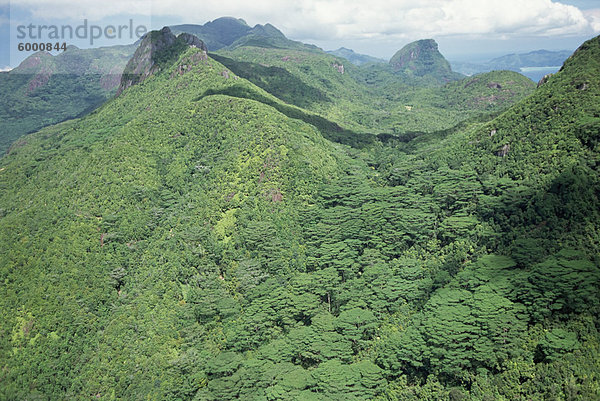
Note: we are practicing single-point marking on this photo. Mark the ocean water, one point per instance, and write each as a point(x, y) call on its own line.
point(537, 73)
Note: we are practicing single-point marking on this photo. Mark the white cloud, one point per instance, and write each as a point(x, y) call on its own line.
point(354, 19)
point(5, 69)
point(594, 17)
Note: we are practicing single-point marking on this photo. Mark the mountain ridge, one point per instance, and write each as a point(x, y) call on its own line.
point(355, 58)
point(198, 238)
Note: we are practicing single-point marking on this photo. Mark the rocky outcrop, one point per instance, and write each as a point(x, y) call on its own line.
point(420, 58)
point(193, 41)
point(156, 49)
point(339, 67)
point(40, 79)
point(544, 80)
point(503, 151)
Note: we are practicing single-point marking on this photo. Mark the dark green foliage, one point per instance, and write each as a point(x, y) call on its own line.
point(328, 129)
point(563, 284)
point(277, 81)
point(556, 343)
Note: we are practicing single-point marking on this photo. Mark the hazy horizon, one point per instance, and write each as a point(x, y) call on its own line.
point(466, 30)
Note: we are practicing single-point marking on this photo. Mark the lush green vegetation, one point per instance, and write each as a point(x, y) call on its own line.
point(207, 235)
point(372, 99)
point(45, 90)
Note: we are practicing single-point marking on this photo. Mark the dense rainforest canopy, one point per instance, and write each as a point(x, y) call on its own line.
point(261, 224)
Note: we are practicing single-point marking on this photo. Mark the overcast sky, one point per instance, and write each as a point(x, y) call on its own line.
point(465, 29)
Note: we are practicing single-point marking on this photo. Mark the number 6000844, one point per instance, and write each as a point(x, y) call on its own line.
point(28, 47)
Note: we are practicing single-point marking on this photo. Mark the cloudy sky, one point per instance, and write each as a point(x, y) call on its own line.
point(465, 29)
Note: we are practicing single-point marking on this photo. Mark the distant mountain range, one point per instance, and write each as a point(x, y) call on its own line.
point(515, 62)
point(48, 89)
point(355, 58)
point(234, 32)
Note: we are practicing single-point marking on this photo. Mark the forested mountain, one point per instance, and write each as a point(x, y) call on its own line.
point(252, 225)
point(374, 99)
point(423, 58)
point(46, 89)
point(234, 32)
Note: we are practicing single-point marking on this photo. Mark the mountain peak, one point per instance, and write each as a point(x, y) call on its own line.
point(156, 49)
point(420, 58)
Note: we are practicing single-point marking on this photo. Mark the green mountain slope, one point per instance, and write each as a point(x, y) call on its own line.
point(198, 238)
point(531, 203)
point(47, 89)
point(372, 99)
point(194, 171)
point(76, 82)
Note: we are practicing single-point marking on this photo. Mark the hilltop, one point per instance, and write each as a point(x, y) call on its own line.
point(422, 58)
point(228, 32)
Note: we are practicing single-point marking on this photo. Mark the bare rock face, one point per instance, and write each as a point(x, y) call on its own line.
point(339, 67)
point(40, 79)
point(544, 80)
point(504, 151)
point(156, 48)
point(193, 41)
point(421, 58)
